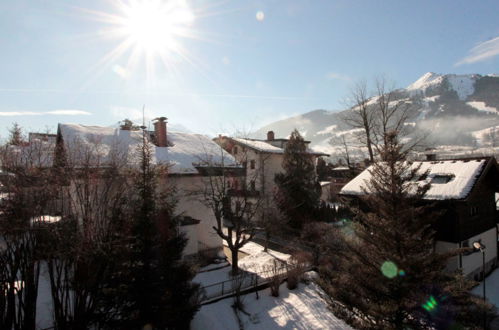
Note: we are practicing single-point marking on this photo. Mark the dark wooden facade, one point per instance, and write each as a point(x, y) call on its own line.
point(475, 214)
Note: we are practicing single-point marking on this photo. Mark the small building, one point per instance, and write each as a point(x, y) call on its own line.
point(181, 153)
point(465, 190)
point(262, 160)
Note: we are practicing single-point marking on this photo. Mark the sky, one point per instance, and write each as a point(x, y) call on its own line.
point(223, 66)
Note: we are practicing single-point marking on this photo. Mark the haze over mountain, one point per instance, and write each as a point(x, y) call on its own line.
point(457, 110)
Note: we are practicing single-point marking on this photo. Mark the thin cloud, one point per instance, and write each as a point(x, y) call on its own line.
point(52, 112)
point(481, 52)
point(69, 112)
point(337, 76)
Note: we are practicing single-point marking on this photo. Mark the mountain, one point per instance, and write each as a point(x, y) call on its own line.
point(457, 111)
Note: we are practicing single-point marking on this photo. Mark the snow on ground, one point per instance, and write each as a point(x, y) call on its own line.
point(256, 262)
point(427, 80)
point(491, 288)
point(464, 85)
point(214, 276)
point(214, 266)
point(481, 106)
point(302, 308)
point(484, 136)
point(431, 98)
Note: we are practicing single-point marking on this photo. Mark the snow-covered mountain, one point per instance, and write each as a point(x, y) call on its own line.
point(457, 110)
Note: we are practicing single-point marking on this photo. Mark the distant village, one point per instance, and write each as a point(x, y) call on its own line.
point(130, 227)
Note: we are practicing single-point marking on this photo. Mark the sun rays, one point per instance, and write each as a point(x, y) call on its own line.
point(148, 34)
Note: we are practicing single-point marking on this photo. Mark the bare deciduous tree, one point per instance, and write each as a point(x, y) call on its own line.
point(26, 198)
point(377, 114)
point(361, 117)
point(235, 205)
point(93, 188)
point(391, 114)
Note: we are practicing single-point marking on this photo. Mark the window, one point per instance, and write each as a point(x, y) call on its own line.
point(238, 207)
point(252, 164)
point(234, 150)
point(236, 184)
point(473, 210)
point(253, 186)
point(441, 179)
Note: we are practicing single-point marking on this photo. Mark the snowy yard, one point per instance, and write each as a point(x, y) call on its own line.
point(217, 281)
point(302, 308)
point(256, 262)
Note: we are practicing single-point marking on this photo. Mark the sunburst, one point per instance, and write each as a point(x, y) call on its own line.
point(148, 31)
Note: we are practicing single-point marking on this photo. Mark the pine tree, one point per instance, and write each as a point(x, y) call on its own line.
point(387, 274)
point(152, 285)
point(298, 191)
point(16, 135)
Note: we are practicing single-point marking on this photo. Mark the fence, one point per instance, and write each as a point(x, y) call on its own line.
point(242, 282)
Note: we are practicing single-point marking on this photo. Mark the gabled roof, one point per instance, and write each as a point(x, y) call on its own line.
point(264, 146)
point(259, 145)
point(185, 149)
point(449, 179)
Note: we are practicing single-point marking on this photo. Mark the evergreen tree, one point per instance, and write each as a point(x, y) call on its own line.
point(322, 169)
point(298, 190)
point(387, 274)
point(152, 285)
point(16, 135)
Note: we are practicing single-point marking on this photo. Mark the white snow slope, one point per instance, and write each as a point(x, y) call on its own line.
point(302, 308)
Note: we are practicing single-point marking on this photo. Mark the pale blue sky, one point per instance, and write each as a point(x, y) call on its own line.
point(241, 72)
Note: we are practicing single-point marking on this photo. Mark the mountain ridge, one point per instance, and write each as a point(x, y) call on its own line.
point(456, 108)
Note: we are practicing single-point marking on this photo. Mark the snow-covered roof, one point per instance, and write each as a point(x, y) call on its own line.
point(450, 179)
point(266, 147)
point(184, 150)
point(259, 145)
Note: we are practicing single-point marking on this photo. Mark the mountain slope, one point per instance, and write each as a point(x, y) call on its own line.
point(453, 108)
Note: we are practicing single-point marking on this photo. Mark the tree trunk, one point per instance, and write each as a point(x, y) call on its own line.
point(267, 239)
point(369, 147)
point(235, 268)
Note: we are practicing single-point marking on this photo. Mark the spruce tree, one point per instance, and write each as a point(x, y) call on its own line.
point(151, 286)
point(298, 190)
point(16, 135)
point(386, 273)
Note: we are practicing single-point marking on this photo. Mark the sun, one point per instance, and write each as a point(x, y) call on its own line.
point(154, 26)
point(148, 31)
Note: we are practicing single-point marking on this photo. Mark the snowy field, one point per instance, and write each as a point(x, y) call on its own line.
point(301, 308)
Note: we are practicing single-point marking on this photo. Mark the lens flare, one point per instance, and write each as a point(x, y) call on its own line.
point(389, 269)
point(430, 305)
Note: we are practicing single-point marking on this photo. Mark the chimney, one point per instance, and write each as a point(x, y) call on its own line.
point(270, 136)
point(160, 131)
point(431, 156)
